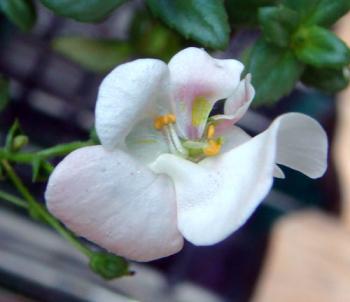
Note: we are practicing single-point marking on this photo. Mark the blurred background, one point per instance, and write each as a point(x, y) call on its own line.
point(294, 248)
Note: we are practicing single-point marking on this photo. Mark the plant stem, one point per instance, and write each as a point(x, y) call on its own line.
point(59, 150)
point(13, 199)
point(41, 211)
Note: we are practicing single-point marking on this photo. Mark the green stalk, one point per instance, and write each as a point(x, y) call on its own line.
point(41, 211)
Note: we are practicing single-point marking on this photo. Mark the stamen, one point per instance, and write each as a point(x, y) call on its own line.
point(164, 120)
point(213, 148)
point(211, 131)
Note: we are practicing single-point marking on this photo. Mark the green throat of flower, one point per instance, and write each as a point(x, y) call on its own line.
point(207, 146)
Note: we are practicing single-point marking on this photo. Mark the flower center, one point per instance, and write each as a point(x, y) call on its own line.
point(189, 149)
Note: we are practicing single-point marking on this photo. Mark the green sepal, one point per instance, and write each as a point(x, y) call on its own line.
point(109, 266)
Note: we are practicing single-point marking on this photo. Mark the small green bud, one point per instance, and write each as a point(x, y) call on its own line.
point(19, 142)
point(109, 266)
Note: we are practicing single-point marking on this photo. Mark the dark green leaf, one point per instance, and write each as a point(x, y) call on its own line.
point(109, 266)
point(41, 169)
point(4, 92)
point(95, 55)
point(328, 80)
point(319, 47)
point(245, 12)
point(152, 39)
point(204, 21)
point(83, 10)
point(322, 12)
point(277, 24)
point(21, 12)
point(274, 70)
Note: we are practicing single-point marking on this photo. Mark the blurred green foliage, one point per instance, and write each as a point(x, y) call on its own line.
point(21, 12)
point(4, 92)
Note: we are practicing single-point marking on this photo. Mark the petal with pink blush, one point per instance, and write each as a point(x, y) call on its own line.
point(198, 80)
point(112, 200)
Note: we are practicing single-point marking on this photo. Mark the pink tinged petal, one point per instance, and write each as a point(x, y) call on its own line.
point(236, 105)
point(127, 94)
point(195, 77)
point(112, 200)
point(216, 196)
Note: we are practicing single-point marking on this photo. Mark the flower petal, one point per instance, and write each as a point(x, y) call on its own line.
point(197, 82)
point(114, 201)
point(126, 95)
point(236, 105)
point(145, 143)
point(216, 196)
point(302, 144)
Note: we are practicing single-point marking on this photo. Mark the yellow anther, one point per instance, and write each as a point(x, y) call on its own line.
point(158, 123)
point(163, 120)
point(172, 118)
point(211, 131)
point(213, 148)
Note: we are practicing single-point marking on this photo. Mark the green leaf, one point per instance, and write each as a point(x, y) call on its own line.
point(21, 12)
point(321, 12)
point(277, 24)
point(151, 38)
point(274, 70)
point(109, 266)
point(4, 92)
point(245, 12)
point(204, 21)
point(328, 80)
point(83, 10)
point(93, 54)
point(319, 47)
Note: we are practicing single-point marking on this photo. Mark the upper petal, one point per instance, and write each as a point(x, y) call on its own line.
point(112, 200)
point(128, 93)
point(199, 80)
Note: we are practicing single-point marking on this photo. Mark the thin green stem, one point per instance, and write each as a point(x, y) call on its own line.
point(59, 150)
point(39, 209)
point(13, 199)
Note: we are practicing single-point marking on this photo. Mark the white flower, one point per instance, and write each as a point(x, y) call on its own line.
point(165, 171)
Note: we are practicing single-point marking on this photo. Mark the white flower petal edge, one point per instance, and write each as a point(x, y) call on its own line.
point(112, 200)
point(127, 94)
point(216, 196)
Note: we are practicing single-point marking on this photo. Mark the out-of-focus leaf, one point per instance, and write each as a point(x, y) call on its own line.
point(204, 21)
point(41, 170)
point(4, 92)
point(152, 39)
point(274, 70)
point(322, 12)
point(328, 80)
point(83, 10)
point(21, 12)
point(245, 12)
point(93, 54)
point(278, 23)
point(319, 47)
